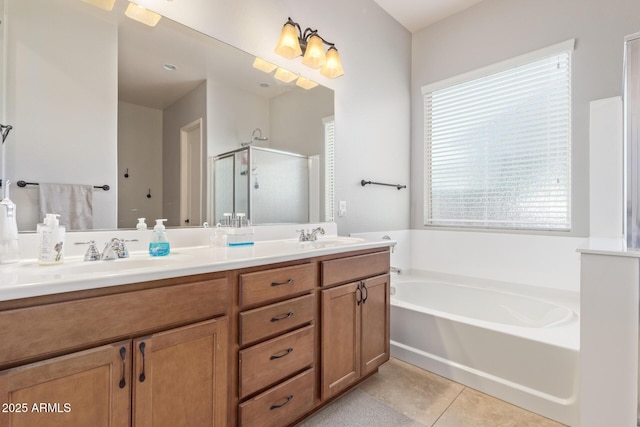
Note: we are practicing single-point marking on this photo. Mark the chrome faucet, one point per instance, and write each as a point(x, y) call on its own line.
point(309, 236)
point(116, 248)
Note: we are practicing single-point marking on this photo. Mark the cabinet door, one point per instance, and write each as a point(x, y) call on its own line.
point(340, 338)
point(375, 323)
point(180, 376)
point(88, 388)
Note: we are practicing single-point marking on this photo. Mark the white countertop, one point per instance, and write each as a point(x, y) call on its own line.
point(28, 279)
point(608, 246)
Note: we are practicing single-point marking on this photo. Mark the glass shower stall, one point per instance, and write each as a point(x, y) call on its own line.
point(270, 186)
point(632, 147)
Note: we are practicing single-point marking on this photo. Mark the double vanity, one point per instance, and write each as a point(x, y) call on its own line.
point(252, 336)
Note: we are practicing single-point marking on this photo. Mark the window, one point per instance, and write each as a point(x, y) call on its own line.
point(329, 138)
point(497, 145)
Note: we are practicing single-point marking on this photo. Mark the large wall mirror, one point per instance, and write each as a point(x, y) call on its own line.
point(155, 113)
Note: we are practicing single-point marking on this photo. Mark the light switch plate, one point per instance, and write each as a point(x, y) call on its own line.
point(342, 208)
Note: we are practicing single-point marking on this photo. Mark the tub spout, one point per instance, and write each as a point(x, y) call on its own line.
point(395, 270)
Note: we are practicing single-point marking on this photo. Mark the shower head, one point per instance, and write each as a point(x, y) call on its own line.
point(259, 137)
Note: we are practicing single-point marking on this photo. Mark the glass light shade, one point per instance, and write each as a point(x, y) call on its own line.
point(263, 65)
point(333, 67)
point(102, 4)
point(306, 83)
point(140, 14)
point(314, 56)
point(288, 45)
point(285, 75)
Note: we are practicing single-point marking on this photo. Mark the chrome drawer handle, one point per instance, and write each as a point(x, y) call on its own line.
point(278, 356)
point(282, 317)
point(281, 405)
point(288, 282)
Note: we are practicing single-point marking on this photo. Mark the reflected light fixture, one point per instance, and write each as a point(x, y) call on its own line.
point(295, 42)
point(140, 14)
point(102, 4)
point(285, 75)
point(306, 83)
point(263, 65)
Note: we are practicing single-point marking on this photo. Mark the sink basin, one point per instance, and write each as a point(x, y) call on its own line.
point(331, 241)
point(80, 267)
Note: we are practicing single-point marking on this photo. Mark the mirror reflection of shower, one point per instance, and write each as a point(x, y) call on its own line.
point(256, 135)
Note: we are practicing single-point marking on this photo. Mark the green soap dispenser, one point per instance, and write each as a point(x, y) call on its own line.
point(159, 245)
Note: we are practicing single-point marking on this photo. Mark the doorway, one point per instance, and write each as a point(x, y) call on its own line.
point(191, 174)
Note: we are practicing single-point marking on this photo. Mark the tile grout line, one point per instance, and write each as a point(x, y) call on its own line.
point(448, 406)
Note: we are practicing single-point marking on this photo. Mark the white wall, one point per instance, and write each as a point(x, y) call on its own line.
point(371, 100)
point(139, 147)
point(43, 60)
point(494, 30)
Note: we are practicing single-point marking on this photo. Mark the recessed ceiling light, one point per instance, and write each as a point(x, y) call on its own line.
point(264, 84)
point(169, 67)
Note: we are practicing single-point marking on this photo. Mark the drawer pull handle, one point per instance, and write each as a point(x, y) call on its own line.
point(282, 404)
point(287, 282)
point(358, 294)
point(282, 317)
point(142, 376)
point(123, 356)
point(278, 356)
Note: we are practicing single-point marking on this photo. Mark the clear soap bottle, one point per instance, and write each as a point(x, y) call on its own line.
point(51, 237)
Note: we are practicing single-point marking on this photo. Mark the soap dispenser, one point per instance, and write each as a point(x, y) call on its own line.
point(9, 251)
point(141, 225)
point(159, 245)
point(51, 235)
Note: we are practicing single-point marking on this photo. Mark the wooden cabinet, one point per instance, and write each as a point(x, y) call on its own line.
point(276, 376)
point(260, 346)
point(355, 332)
point(88, 388)
point(167, 378)
point(180, 377)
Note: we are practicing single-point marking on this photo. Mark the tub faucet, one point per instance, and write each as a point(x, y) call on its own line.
point(395, 270)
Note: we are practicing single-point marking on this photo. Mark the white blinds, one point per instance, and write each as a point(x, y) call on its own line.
point(497, 148)
point(329, 139)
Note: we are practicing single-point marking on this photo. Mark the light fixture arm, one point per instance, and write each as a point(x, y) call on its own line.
point(304, 36)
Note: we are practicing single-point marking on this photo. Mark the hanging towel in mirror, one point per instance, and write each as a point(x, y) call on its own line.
point(73, 202)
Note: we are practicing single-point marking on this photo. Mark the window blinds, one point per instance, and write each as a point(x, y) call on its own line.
point(329, 139)
point(497, 148)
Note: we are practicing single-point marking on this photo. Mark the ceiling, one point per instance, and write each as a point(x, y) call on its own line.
point(417, 14)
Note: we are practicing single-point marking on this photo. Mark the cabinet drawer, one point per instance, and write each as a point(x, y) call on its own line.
point(280, 405)
point(344, 270)
point(264, 364)
point(56, 328)
point(274, 284)
point(275, 318)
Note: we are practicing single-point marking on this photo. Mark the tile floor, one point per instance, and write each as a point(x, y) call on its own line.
point(434, 401)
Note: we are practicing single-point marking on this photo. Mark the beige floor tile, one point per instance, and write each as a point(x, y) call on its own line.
point(418, 394)
point(474, 409)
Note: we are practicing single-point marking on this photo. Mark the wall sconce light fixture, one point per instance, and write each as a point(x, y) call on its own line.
point(308, 43)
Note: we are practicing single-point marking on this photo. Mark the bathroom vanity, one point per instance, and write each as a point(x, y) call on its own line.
point(259, 336)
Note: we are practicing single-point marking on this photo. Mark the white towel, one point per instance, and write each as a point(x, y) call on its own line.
point(73, 202)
